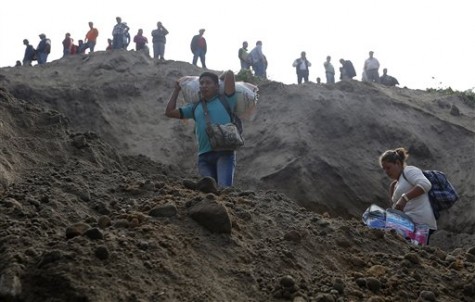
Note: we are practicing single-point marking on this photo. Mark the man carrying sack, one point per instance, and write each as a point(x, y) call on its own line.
point(214, 161)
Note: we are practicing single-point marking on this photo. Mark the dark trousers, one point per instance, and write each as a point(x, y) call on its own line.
point(302, 75)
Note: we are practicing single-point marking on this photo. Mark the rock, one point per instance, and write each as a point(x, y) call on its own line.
point(104, 222)
point(101, 252)
point(426, 295)
point(373, 284)
point(94, 234)
point(287, 281)
point(212, 215)
point(166, 210)
point(77, 229)
point(207, 185)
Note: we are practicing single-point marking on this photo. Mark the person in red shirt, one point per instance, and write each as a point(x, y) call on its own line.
point(91, 37)
point(198, 48)
point(67, 44)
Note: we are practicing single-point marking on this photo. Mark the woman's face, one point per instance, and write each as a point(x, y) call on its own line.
point(393, 170)
point(208, 88)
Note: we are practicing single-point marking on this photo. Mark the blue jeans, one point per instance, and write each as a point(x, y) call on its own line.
point(199, 53)
point(219, 165)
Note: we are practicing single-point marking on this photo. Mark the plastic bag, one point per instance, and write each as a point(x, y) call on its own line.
point(246, 94)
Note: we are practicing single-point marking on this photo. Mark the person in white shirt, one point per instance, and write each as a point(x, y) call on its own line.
point(409, 188)
point(301, 67)
point(371, 68)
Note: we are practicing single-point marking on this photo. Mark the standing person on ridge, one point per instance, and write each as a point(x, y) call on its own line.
point(43, 49)
point(329, 71)
point(29, 56)
point(371, 69)
point(91, 38)
point(219, 165)
point(159, 40)
point(199, 47)
point(243, 55)
point(140, 40)
point(301, 67)
point(347, 70)
point(258, 61)
point(67, 44)
point(119, 34)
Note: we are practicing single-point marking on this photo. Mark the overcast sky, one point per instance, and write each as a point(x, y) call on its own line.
point(423, 43)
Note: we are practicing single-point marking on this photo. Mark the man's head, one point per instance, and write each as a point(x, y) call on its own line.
point(303, 54)
point(202, 31)
point(385, 71)
point(91, 24)
point(329, 58)
point(209, 85)
point(42, 36)
point(245, 44)
point(371, 54)
point(118, 19)
point(25, 42)
point(259, 43)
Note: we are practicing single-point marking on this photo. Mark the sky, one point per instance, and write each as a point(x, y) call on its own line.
point(423, 43)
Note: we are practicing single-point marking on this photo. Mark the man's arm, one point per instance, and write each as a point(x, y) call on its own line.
point(171, 110)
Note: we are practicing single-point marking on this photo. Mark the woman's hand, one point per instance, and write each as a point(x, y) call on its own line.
point(400, 204)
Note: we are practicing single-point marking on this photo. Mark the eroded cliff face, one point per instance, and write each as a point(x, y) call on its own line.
point(93, 202)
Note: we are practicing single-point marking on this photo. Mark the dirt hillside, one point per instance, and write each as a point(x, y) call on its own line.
point(94, 208)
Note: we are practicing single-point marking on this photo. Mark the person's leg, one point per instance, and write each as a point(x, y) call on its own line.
point(305, 76)
point(225, 166)
point(161, 51)
point(203, 59)
point(155, 50)
point(91, 45)
point(431, 231)
point(299, 78)
point(207, 164)
point(195, 57)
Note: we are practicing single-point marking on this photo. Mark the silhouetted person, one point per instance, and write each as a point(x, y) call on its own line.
point(199, 47)
point(329, 71)
point(347, 70)
point(30, 53)
point(159, 40)
point(43, 49)
point(258, 61)
point(388, 80)
point(243, 56)
point(301, 67)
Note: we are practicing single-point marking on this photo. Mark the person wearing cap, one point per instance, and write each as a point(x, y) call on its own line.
point(43, 49)
point(220, 165)
point(371, 68)
point(198, 48)
point(30, 53)
point(120, 35)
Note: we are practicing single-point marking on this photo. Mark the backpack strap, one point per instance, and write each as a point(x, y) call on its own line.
point(225, 104)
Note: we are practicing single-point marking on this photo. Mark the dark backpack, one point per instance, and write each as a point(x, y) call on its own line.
point(442, 195)
point(234, 118)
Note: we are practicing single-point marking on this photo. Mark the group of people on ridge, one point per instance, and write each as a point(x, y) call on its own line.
point(347, 70)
